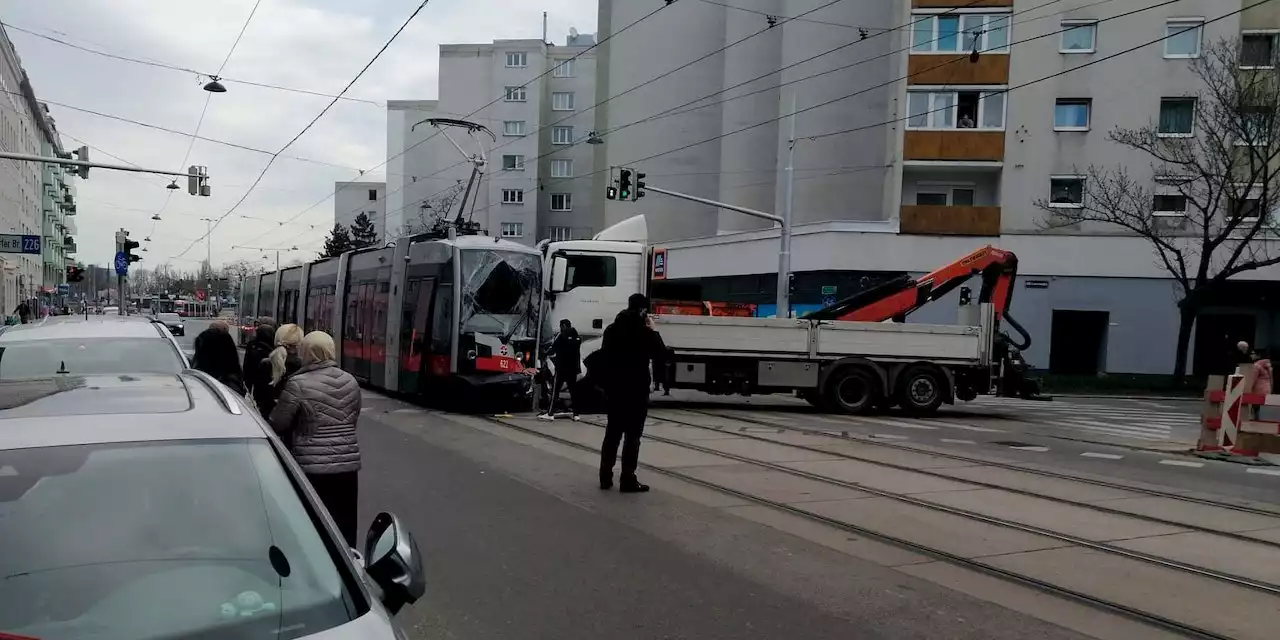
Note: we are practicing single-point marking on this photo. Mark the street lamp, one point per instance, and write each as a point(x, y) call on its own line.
point(213, 86)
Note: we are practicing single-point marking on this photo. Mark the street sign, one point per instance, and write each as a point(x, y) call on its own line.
point(200, 295)
point(122, 264)
point(828, 290)
point(13, 243)
point(63, 287)
point(828, 300)
point(659, 264)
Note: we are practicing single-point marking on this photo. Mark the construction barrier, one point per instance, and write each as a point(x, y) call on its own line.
point(1229, 423)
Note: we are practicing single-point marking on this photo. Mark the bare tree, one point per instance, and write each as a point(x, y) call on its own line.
point(238, 270)
point(434, 208)
point(1210, 213)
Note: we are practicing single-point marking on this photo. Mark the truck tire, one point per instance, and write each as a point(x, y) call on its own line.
point(921, 389)
point(814, 397)
point(853, 390)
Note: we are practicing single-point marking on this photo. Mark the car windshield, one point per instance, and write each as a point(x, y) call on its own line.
point(169, 317)
point(44, 358)
point(199, 539)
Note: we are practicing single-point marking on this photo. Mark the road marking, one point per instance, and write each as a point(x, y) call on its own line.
point(898, 423)
point(1182, 463)
point(1265, 472)
point(1104, 456)
point(1031, 448)
point(954, 441)
point(889, 436)
point(969, 427)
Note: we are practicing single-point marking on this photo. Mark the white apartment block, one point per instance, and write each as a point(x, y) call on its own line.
point(536, 99)
point(350, 199)
point(933, 158)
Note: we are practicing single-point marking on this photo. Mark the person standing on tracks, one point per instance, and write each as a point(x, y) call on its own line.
point(566, 353)
point(629, 345)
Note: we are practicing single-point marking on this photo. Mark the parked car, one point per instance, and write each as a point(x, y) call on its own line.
point(162, 506)
point(99, 345)
point(173, 322)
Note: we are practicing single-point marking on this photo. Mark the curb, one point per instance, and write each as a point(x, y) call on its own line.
point(1103, 396)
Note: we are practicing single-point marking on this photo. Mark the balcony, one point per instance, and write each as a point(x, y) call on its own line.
point(943, 220)
point(952, 70)
point(956, 145)
point(69, 245)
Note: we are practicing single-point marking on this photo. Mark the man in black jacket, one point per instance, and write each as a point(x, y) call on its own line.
point(566, 352)
point(629, 346)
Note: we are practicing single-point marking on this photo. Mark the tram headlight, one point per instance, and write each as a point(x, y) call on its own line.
point(471, 354)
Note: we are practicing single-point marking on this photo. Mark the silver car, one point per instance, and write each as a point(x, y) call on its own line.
point(161, 506)
point(74, 346)
point(174, 322)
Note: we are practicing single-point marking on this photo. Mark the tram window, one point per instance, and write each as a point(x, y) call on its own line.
point(591, 271)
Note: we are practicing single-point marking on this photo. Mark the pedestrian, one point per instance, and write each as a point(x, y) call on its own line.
point(216, 356)
point(23, 311)
point(1240, 356)
point(257, 377)
point(1262, 377)
point(282, 362)
point(566, 354)
point(629, 346)
point(316, 418)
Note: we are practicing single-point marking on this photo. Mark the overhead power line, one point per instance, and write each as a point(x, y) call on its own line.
point(175, 67)
point(314, 120)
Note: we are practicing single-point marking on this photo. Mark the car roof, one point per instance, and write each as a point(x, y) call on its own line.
point(71, 410)
point(70, 327)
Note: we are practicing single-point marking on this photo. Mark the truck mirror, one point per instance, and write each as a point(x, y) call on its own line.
point(559, 273)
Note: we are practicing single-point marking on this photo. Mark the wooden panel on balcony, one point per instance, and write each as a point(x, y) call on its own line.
point(944, 69)
point(954, 144)
point(950, 221)
point(928, 4)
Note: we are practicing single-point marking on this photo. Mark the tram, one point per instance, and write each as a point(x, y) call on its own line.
point(454, 319)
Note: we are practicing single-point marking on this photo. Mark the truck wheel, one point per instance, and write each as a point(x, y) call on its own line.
point(921, 389)
point(852, 390)
point(813, 397)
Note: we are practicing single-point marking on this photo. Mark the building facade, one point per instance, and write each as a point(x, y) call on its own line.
point(535, 98)
point(927, 152)
point(35, 199)
point(350, 199)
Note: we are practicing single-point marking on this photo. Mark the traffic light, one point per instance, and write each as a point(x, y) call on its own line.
point(611, 193)
point(624, 184)
point(129, 246)
point(75, 274)
point(198, 181)
point(639, 187)
point(82, 154)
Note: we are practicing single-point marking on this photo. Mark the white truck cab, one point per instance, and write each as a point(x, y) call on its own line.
point(588, 281)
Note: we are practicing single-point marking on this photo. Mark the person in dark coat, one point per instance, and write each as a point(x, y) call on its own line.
point(216, 355)
point(629, 346)
point(316, 417)
point(256, 378)
point(23, 311)
point(566, 353)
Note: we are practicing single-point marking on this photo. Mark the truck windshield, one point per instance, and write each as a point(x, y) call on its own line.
point(501, 292)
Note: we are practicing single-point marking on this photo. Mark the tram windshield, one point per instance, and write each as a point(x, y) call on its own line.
point(501, 293)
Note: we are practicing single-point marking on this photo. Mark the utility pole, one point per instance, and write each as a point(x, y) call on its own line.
point(784, 256)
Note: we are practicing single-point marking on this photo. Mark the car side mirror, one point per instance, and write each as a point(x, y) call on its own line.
point(392, 561)
point(559, 274)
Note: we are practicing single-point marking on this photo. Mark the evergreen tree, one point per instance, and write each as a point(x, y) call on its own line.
point(338, 242)
point(363, 234)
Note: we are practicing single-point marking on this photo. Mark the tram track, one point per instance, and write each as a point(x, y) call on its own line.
point(1019, 577)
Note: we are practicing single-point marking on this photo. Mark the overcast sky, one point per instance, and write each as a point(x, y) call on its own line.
point(316, 45)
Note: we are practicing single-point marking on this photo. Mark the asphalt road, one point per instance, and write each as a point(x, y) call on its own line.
point(519, 543)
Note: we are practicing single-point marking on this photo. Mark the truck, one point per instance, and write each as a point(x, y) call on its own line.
point(854, 356)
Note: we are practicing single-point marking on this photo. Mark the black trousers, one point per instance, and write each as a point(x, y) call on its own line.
point(340, 494)
point(562, 380)
point(626, 426)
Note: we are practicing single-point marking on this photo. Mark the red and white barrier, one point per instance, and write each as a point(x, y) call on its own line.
point(1228, 416)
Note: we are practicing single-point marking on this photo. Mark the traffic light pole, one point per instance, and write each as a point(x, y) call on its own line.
point(85, 164)
point(784, 258)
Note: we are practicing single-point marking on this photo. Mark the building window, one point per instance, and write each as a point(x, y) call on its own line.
point(1079, 36)
point(1072, 114)
point(515, 94)
point(960, 32)
point(561, 202)
point(513, 163)
point(512, 229)
point(1256, 122)
point(1169, 204)
point(562, 168)
point(373, 195)
point(561, 135)
point(513, 128)
point(512, 196)
point(955, 110)
point(564, 69)
point(1257, 50)
point(1066, 192)
point(517, 59)
point(562, 101)
point(945, 196)
point(558, 234)
point(1177, 117)
point(1182, 38)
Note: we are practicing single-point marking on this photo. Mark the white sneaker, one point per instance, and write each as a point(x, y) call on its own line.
point(546, 416)
point(576, 418)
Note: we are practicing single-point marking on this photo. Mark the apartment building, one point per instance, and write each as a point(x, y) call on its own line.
point(35, 199)
point(937, 152)
point(350, 199)
point(535, 99)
